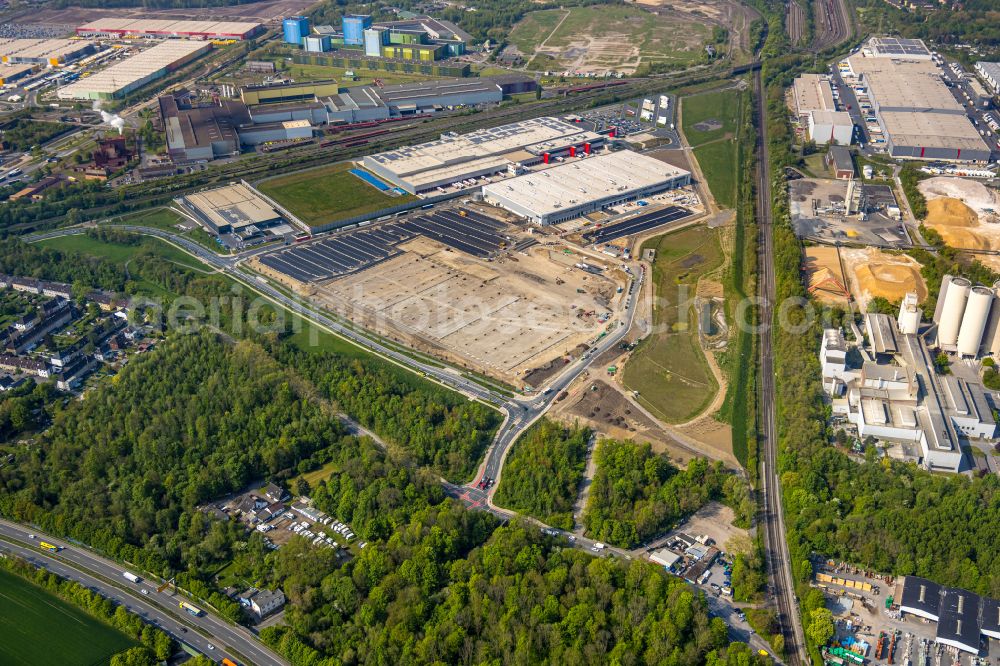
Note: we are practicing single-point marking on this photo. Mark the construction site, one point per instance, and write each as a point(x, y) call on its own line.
point(503, 313)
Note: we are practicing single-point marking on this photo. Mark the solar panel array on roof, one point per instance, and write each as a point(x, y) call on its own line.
point(895, 46)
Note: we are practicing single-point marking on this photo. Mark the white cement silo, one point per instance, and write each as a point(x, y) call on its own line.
point(977, 311)
point(955, 292)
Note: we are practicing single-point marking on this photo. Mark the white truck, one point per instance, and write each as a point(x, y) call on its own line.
point(131, 577)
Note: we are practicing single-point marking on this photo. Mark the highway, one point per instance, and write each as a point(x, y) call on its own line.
point(159, 609)
point(781, 586)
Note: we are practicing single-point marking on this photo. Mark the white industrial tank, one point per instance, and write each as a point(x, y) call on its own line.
point(956, 293)
point(977, 311)
point(909, 315)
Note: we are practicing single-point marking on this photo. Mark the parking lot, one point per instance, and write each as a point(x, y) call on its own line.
point(638, 224)
point(357, 249)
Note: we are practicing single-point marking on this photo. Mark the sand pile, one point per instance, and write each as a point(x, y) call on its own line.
point(876, 273)
point(890, 281)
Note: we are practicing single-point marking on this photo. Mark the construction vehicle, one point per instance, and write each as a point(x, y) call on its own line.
point(165, 584)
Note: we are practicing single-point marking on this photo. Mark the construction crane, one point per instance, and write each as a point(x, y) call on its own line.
point(165, 584)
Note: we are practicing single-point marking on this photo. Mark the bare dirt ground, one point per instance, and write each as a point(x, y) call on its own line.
point(964, 212)
point(677, 158)
point(824, 276)
point(504, 318)
point(872, 273)
point(715, 520)
point(268, 10)
point(598, 404)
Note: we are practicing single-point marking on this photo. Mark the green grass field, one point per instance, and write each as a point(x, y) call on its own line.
point(710, 122)
point(325, 195)
point(610, 36)
point(38, 629)
point(669, 368)
point(718, 163)
point(122, 253)
point(166, 219)
point(720, 107)
point(534, 28)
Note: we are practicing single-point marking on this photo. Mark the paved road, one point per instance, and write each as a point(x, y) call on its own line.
point(781, 587)
point(161, 610)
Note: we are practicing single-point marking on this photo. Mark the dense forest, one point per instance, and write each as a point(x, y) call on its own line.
point(27, 260)
point(543, 471)
point(22, 134)
point(637, 494)
point(196, 419)
point(433, 425)
point(452, 587)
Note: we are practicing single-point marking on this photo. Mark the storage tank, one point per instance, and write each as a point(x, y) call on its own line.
point(955, 291)
point(991, 337)
point(977, 311)
point(909, 315)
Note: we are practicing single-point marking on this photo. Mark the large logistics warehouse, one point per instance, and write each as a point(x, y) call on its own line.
point(918, 114)
point(128, 75)
point(54, 52)
point(459, 157)
point(581, 186)
point(168, 29)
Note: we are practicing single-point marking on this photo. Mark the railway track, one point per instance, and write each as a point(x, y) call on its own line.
point(781, 587)
point(831, 24)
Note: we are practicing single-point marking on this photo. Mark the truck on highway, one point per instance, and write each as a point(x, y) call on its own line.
point(193, 610)
point(131, 577)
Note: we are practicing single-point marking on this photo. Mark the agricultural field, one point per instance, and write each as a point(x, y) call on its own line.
point(328, 194)
point(669, 369)
point(709, 122)
point(39, 628)
point(598, 39)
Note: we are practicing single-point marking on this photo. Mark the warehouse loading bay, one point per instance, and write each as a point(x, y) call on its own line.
point(865, 607)
point(468, 283)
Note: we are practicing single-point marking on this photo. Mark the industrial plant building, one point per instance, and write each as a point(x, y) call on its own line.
point(420, 39)
point(897, 396)
point(122, 78)
point(817, 111)
point(574, 188)
point(287, 92)
point(201, 133)
point(51, 52)
point(963, 618)
point(169, 29)
point(913, 107)
point(326, 102)
point(460, 157)
point(235, 209)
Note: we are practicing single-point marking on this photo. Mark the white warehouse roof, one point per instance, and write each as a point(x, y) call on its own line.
point(577, 182)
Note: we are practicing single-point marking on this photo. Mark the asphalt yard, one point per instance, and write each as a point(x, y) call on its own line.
point(636, 225)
